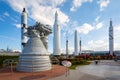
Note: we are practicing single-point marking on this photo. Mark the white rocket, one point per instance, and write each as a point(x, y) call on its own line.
point(24, 37)
point(76, 44)
point(111, 45)
point(56, 39)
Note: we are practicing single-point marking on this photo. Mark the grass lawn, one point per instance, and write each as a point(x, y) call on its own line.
point(74, 66)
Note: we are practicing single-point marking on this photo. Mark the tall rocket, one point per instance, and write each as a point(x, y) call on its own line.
point(76, 44)
point(111, 45)
point(67, 47)
point(56, 38)
point(80, 46)
point(24, 37)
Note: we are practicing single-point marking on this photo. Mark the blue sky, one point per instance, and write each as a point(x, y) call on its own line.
point(89, 17)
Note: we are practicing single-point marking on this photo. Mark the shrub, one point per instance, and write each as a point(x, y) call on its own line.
point(4, 57)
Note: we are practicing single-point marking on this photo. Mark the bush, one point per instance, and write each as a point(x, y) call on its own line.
point(4, 57)
point(78, 63)
point(74, 61)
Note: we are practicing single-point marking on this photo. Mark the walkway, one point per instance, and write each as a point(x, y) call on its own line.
point(105, 70)
point(5, 74)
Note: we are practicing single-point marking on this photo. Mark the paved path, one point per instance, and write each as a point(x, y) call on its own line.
point(105, 70)
point(5, 74)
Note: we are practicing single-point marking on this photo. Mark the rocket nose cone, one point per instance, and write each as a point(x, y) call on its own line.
point(24, 10)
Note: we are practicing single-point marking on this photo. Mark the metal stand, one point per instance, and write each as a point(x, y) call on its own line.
point(11, 68)
point(9, 62)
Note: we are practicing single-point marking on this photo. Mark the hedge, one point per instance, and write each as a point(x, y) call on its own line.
point(4, 57)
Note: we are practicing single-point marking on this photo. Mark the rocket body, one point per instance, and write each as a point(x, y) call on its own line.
point(56, 39)
point(76, 44)
point(80, 46)
point(111, 39)
point(24, 37)
point(67, 48)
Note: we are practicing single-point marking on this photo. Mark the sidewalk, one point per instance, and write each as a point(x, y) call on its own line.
point(105, 70)
point(5, 74)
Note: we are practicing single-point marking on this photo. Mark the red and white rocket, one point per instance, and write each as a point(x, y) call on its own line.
point(24, 37)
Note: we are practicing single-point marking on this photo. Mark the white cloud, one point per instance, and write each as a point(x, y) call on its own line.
point(69, 29)
point(70, 50)
point(57, 2)
point(18, 25)
point(117, 46)
point(103, 4)
point(97, 18)
point(99, 25)
point(103, 44)
point(85, 28)
point(117, 36)
point(117, 29)
point(6, 14)
point(97, 45)
point(41, 10)
point(78, 3)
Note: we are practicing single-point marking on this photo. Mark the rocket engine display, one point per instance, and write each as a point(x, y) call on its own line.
point(34, 56)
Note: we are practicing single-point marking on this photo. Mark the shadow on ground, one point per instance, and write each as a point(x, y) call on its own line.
point(32, 77)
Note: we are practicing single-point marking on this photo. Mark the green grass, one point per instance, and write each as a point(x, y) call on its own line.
point(74, 66)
